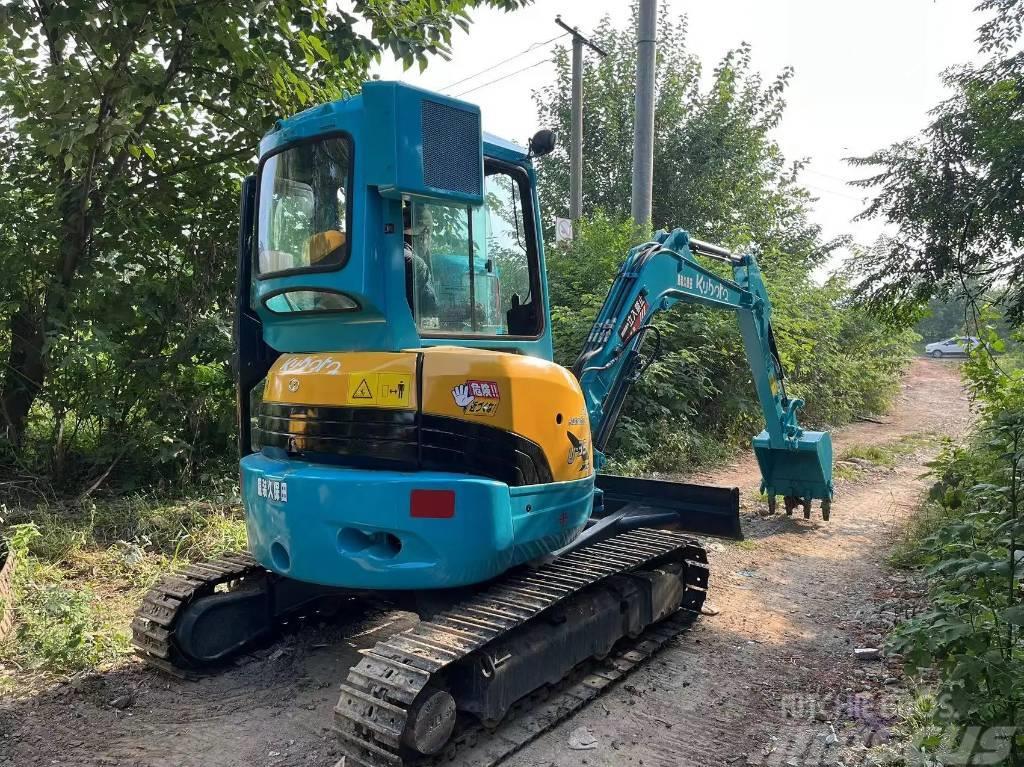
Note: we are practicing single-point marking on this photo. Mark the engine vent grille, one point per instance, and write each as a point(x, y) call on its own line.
point(451, 141)
point(403, 440)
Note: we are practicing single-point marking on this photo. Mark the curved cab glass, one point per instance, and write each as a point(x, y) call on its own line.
point(470, 269)
point(303, 207)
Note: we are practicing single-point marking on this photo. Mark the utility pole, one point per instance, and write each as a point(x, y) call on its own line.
point(643, 137)
point(576, 139)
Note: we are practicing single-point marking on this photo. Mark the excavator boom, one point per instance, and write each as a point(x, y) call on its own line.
point(657, 275)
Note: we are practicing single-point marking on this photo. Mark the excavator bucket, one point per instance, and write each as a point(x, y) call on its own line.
point(802, 470)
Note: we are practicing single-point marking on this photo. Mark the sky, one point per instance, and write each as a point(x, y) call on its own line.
point(866, 74)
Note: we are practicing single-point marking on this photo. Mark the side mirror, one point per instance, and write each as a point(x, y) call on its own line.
point(543, 142)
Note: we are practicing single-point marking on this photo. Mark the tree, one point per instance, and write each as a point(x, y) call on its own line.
point(126, 127)
point(956, 191)
point(941, 318)
point(717, 170)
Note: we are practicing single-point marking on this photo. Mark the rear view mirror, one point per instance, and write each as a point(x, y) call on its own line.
point(543, 142)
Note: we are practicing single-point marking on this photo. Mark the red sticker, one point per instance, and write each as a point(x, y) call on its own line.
point(487, 389)
point(635, 318)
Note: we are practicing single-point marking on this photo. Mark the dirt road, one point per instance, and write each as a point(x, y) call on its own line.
point(795, 600)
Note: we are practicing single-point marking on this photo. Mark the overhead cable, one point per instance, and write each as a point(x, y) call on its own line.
point(523, 52)
point(503, 77)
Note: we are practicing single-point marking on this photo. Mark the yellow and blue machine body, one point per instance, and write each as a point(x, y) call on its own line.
point(401, 487)
point(402, 423)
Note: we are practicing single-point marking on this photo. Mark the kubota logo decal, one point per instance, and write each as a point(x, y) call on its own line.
point(311, 364)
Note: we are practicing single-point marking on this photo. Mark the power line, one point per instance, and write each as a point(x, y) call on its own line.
point(825, 175)
point(503, 77)
point(825, 190)
point(523, 52)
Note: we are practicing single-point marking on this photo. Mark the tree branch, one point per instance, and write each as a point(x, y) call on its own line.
point(52, 44)
point(182, 168)
point(176, 64)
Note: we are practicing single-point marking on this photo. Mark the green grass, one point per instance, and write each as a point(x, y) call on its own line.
point(845, 471)
point(918, 737)
point(908, 551)
point(83, 572)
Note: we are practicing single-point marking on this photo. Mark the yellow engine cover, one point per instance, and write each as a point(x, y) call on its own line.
point(532, 398)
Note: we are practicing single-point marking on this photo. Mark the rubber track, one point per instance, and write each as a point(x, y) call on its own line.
point(531, 717)
point(372, 711)
point(155, 620)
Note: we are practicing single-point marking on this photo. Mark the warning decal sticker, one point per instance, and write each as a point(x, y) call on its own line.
point(363, 390)
point(385, 389)
point(635, 319)
point(477, 397)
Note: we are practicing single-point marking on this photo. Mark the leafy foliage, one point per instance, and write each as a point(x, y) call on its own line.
point(717, 170)
point(956, 191)
point(126, 129)
point(82, 573)
point(955, 194)
point(974, 558)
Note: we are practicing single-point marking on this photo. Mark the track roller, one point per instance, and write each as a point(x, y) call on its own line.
point(528, 630)
point(207, 613)
point(430, 723)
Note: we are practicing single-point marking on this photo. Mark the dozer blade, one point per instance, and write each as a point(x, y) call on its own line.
point(628, 504)
point(803, 471)
point(697, 509)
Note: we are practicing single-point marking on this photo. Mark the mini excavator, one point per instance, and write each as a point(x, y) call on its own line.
point(405, 434)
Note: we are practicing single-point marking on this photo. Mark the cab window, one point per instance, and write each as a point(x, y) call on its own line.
point(471, 271)
point(303, 207)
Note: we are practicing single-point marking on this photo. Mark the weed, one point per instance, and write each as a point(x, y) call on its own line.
point(888, 454)
point(919, 738)
point(968, 539)
point(845, 471)
point(83, 572)
point(62, 627)
point(876, 454)
point(910, 548)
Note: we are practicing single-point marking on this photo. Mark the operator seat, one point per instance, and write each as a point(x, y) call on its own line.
point(326, 247)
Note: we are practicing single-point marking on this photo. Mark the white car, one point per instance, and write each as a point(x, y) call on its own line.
point(955, 346)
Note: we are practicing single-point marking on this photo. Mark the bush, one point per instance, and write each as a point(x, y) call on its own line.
point(82, 573)
point(973, 553)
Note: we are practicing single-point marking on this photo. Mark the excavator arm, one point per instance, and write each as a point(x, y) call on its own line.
point(794, 463)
